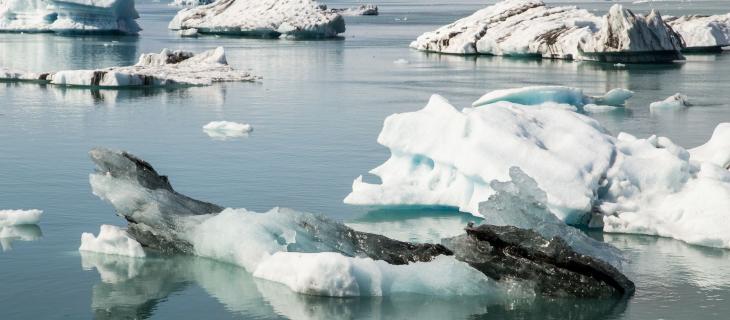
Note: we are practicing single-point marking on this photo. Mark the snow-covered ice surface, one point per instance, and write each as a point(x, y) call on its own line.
point(443, 156)
point(267, 18)
point(530, 28)
point(226, 129)
point(69, 16)
point(167, 68)
point(19, 217)
point(674, 102)
point(111, 240)
point(702, 32)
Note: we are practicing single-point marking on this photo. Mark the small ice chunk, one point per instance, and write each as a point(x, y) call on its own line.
point(536, 95)
point(674, 102)
point(111, 240)
point(227, 129)
point(596, 108)
point(401, 61)
point(19, 217)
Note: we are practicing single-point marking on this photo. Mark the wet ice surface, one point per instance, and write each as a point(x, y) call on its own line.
point(317, 114)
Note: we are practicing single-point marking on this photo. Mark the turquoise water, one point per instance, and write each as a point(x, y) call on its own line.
point(316, 113)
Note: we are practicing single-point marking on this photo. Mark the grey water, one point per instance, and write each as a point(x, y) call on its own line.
point(316, 116)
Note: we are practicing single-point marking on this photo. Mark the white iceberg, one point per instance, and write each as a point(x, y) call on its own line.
point(226, 129)
point(530, 28)
point(446, 157)
point(262, 18)
point(674, 102)
point(167, 68)
point(69, 16)
point(19, 217)
point(111, 240)
point(535, 95)
point(702, 33)
point(361, 10)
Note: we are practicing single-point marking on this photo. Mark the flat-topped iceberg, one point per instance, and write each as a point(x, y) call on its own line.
point(315, 255)
point(167, 68)
point(531, 28)
point(262, 18)
point(702, 33)
point(441, 156)
point(69, 16)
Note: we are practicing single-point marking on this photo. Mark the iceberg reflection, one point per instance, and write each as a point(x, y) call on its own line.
point(9, 234)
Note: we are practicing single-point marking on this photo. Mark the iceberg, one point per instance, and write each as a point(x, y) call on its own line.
point(702, 33)
point(674, 102)
point(530, 28)
point(535, 95)
point(19, 217)
point(362, 10)
point(69, 16)
point(441, 156)
point(261, 18)
point(167, 68)
point(225, 129)
point(111, 240)
point(314, 255)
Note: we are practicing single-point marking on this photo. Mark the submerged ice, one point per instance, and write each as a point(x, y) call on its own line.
point(69, 16)
point(312, 254)
point(443, 156)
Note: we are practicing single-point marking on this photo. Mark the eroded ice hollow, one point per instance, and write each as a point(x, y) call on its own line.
point(69, 16)
point(167, 68)
point(443, 156)
point(313, 254)
point(531, 28)
point(261, 18)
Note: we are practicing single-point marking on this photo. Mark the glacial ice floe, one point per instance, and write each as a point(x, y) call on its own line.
point(674, 102)
point(530, 28)
point(111, 240)
point(534, 95)
point(443, 156)
point(702, 33)
point(261, 18)
point(19, 217)
point(315, 255)
point(226, 129)
point(167, 68)
point(361, 10)
point(69, 16)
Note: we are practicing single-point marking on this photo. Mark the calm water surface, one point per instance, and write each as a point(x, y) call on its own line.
point(316, 113)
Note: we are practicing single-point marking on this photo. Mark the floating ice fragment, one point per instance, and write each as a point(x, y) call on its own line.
point(111, 240)
point(227, 129)
point(674, 102)
point(19, 217)
point(535, 95)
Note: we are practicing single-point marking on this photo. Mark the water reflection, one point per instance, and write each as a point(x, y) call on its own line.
point(41, 52)
point(9, 234)
point(134, 288)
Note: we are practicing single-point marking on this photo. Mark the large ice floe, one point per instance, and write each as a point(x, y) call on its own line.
point(443, 156)
point(167, 68)
point(69, 16)
point(315, 255)
point(702, 33)
point(531, 28)
point(262, 18)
